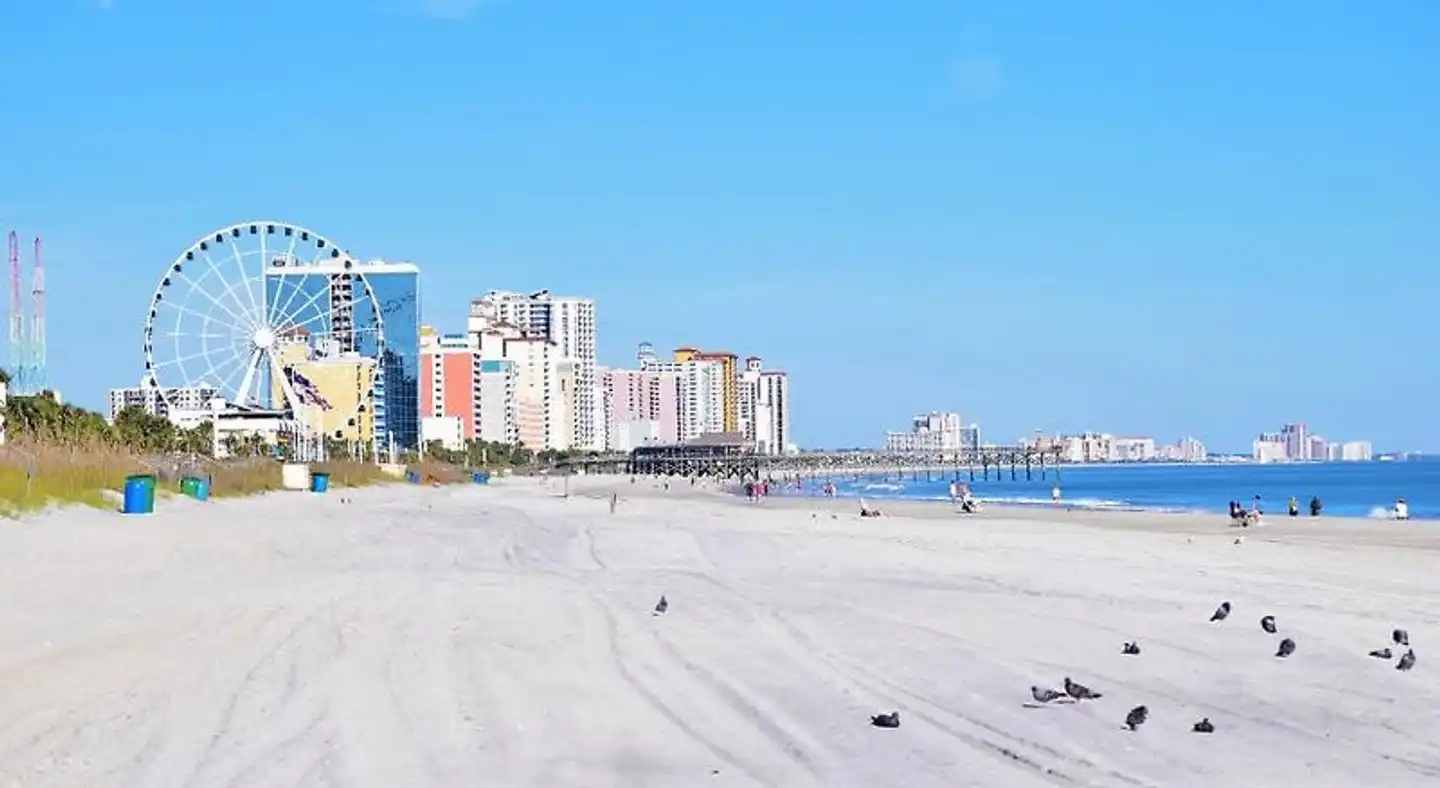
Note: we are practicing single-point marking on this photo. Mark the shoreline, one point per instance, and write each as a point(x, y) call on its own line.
point(1039, 506)
point(728, 492)
point(900, 485)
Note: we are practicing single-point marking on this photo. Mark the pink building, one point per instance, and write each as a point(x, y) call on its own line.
point(643, 406)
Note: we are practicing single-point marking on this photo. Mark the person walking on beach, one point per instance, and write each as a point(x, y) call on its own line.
point(1055, 494)
point(1402, 510)
point(1315, 506)
point(1294, 507)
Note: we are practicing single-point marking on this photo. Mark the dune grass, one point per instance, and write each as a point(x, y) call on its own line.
point(34, 477)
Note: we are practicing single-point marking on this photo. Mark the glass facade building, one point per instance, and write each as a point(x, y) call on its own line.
point(332, 309)
point(397, 410)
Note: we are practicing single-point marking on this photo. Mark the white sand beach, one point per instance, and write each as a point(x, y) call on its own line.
point(503, 636)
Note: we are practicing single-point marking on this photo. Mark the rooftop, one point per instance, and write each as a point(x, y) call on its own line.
point(718, 439)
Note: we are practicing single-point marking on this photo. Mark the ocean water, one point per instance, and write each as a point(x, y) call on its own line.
point(1353, 489)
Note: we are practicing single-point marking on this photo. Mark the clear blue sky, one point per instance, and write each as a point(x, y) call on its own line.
point(1136, 217)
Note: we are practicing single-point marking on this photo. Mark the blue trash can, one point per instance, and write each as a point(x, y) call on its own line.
point(480, 477)
point(139, 495)
point(412, 477)
point(319, 482)
point(202, 490)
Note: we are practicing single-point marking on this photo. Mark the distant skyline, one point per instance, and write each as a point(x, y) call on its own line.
point(906, 425)
point(1201, 220)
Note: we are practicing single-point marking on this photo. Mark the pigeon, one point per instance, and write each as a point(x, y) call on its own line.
point(1131, 649)
point(891, 720)
point(1221, 613)
point(662, 605)
point(1203, 726)
point(1045, 695)
point(1268, 624)
point(1136, 717)
point(1080, 691)
point(1287, 647)
point(1381, 653)
point(1407, 660)
point(1401, 637)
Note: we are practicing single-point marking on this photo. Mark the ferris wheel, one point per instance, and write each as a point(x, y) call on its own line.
point(269, 315)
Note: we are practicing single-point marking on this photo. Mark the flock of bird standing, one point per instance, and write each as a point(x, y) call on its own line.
point(1138, 715)
point(1076, 692)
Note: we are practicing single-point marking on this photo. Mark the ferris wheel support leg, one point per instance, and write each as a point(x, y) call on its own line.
point(252, 365)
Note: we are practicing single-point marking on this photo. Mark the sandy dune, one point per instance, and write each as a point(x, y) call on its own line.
point(503, 637)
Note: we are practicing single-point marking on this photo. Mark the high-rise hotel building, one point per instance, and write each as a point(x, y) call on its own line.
point(567, 324)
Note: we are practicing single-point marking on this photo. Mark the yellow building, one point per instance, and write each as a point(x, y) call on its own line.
point(729, 370)
point(344, 382)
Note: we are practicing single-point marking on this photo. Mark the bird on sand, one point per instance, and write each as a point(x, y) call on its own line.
point(1268, 624)
point(1401, 637)
point(1136, 717)
point(1287, 647)
point(1203, 726)
point(891, 720)
point(1407, 660)
point(1221, 613)
point(1130, 648)
point(1381, 653)
point(1045, 694)
point(1080, 691)
point(662, 605)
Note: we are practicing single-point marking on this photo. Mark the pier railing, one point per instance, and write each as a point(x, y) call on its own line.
point(735, 462)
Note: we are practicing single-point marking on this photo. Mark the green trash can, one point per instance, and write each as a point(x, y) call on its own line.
point(195, 487)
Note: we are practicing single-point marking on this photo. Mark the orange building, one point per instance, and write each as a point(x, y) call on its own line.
point(449, 381)
point(730, 371)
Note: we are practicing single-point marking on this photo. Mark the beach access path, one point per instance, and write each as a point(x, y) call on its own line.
point(503, 636)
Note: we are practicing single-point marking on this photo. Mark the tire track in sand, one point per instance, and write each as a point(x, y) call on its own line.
point(654, 701)
point(1010, 748)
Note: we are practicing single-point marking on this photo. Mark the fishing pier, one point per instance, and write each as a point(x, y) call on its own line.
point(731, 460)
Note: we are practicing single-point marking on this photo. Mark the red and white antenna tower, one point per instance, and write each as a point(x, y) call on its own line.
point(17, 320)
point(37, 370)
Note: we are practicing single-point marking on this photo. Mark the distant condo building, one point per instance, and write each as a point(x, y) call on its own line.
point(1087, 447)
point(644, 407)
point(156, 401)
point(1351, 451)
point(567, 324)
point(764, 407)
point(1104, 447)
point(693, 394)
point(702, 389)
point(1295, 443)
point(464, 396)
point(1133, 449)
point(934, 432)
point(500, 385)
point(1270, 447)
point(1187, 450)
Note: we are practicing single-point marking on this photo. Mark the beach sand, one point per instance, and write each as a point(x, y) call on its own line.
point(503, 636)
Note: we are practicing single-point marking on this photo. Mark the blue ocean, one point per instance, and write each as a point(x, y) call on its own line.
point(1352, 489)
